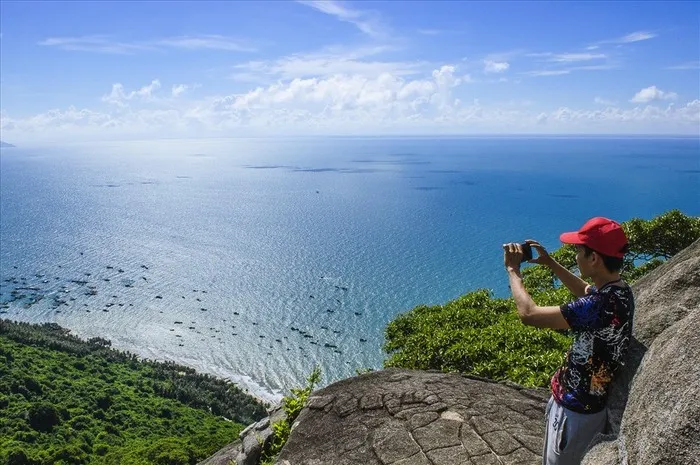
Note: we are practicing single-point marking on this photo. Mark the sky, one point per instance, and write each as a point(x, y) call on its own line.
point(140, 70)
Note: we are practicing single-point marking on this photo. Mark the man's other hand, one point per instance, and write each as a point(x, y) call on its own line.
point(512, 255)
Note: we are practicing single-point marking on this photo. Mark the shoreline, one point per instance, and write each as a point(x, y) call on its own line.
point(244, 382)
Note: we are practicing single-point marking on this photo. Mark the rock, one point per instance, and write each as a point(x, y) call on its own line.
point(667, 294)
point(417, 417)
point(652, 420)
point(248, 449)
point(674, 434)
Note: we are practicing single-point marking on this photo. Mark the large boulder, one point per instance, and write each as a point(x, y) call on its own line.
point(655, 413)
point(407, 417)
point(667, 295)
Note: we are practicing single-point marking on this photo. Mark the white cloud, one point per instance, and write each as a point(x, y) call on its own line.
point(636, 37)
point(563, 71)
point(687, 115)
point(445, 76)
point(574, 57)
point(217, 118)
point(179, 89)
point(119, 97)
point(415, 89)
point(105, 44)
point(328, 62)
point(652, 93)
point(602, 101)
point(368, 22)
point(383, 93)
point(547, 72)
point(686, 66)
point(72, 118)
point(147, 91)
point(211, 42)
point(495, 66)
point(96, 43)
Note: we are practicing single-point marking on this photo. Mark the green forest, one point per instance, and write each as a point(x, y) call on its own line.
point(68, 401)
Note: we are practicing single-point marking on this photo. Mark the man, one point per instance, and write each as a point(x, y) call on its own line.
point(601, 323)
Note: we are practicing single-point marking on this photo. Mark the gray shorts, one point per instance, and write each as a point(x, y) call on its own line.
point(568, 433)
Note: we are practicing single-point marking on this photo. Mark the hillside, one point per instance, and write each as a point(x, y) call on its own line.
point(68, 401)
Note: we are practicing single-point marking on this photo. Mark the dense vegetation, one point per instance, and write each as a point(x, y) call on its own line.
point(481, 335)
point(68, 401)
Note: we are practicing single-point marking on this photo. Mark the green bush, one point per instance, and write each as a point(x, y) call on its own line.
point(43, 417)
point(164, 451)
point(663, 236)
point(293, 405)
point(474, 334)
point(14, 454)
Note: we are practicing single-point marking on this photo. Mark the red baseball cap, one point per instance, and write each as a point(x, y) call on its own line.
point(600, 234)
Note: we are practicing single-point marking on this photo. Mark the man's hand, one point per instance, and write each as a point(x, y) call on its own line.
point(543, 258)
point(512, 256)
point(576, 285)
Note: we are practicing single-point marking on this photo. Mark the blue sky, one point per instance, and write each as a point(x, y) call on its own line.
point(99, 70)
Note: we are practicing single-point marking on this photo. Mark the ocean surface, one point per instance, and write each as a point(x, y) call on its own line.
point(257, 259)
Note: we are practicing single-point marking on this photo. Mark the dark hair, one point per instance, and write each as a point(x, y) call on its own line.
point(611, 263)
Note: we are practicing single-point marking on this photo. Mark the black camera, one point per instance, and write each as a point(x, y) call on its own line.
point(527, 252)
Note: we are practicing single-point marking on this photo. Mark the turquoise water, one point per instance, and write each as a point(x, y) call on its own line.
point(208, 252)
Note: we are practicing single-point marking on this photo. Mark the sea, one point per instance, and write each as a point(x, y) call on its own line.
point(258, 259)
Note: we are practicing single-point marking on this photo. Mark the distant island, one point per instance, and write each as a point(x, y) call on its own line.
point(5, 144)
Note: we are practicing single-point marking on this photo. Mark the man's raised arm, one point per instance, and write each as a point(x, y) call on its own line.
point(576, 285)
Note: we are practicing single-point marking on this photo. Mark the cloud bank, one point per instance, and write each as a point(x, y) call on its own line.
point(341, 104)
